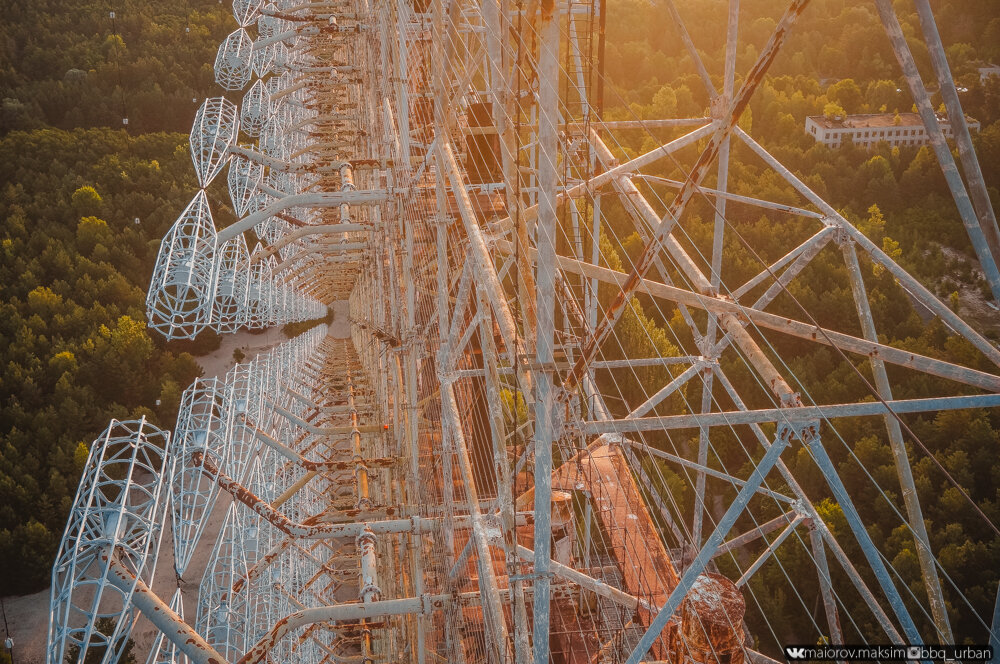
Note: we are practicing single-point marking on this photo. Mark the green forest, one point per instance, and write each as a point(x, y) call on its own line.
point(85, 198)
point(84, 201)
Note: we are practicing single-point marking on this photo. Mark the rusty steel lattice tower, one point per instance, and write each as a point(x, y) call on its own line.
point(487, 464)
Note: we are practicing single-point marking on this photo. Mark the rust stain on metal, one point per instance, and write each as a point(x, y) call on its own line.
point(710, 622)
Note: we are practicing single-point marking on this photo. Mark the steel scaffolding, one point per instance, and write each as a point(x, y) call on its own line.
point(504, 460)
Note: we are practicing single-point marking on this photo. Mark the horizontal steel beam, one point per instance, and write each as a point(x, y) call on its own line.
point(309, 200)
point(599, 364)
point(350, 612)
point(593, 184)
point(756, 533)
point(720, 305)
point(264, 42)
point(415, 524)
point(736, 198)
point(323, 431)
point(718, 474)
point(159, 613)
point(192, 644)
point(279, 164)
point(669, 123)
point(588, 582)
point(292, 236)
point(609, 125)
point(796, 415)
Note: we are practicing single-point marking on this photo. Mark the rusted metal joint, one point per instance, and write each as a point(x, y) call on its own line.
point(805, 431)
point(370, 591)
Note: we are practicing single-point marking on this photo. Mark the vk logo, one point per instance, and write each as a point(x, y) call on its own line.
point(795, 653)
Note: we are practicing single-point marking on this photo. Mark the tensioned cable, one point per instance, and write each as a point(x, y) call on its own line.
point(855, 369)
point(865, 381)
point(843, 355)
point(478, 424)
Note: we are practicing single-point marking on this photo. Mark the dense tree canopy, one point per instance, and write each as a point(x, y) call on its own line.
point(69, 64)
point(83, 204)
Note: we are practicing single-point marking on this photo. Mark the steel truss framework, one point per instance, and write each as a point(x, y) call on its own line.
point(479, 473)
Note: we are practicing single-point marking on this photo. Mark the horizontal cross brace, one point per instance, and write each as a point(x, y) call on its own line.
point(798, 415)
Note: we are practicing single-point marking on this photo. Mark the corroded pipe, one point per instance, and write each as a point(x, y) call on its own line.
point(320, 531)
point(187, 640)
point(352, 612)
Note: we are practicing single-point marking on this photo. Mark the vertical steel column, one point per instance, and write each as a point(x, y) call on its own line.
point(346, 185)
point(533, 153)
point(440, 93)
point(393, 323)
point(825, 585)
point(703, 440)
point(505, 489)
point(447, 447)
point(545, 284)
point(579, 84)
point(441, 237)
point(496, 38)
point(363, 501)
point(940, 145)
point(715, 277)
point(874, 558)
point(960, 129)
point(497, 22)
point(385, 57)
point(687, 191)
point(577, 243)
point(493, 617)
point(370, 591)
point(592, 304)
point(402, 83)
point(412, 418)
point(913, 511)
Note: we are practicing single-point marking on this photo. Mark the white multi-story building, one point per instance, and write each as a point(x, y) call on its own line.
point(868, 130)
point(988, 72)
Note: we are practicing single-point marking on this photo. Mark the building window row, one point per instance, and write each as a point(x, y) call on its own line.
point(882, 133)
point(912, 134)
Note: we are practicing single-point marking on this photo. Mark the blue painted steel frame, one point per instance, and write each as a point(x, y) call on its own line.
point(714, 541)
